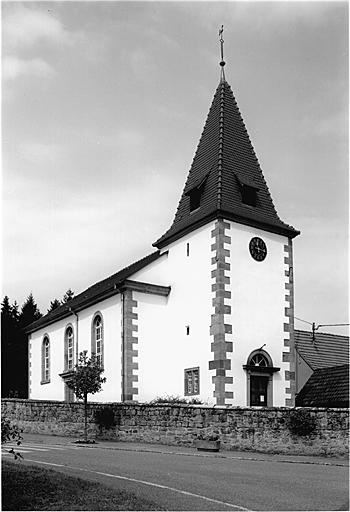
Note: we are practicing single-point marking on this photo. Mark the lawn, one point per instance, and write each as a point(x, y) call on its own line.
point(27, 487)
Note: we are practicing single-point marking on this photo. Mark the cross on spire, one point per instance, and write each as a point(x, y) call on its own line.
point(222, 63)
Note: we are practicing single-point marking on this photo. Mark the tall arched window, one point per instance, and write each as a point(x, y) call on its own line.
point(69, 349)
point(97, 338)
point(45, 360)
point(260, 372)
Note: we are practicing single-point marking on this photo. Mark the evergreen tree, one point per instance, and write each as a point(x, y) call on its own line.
point(68, 296)
point(54, 304)
point(14, 356)
point(29, 312)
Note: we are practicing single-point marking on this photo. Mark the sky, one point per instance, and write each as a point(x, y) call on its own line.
point(103, 105)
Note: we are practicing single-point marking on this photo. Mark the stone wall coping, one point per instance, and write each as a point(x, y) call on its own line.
point(185, 406)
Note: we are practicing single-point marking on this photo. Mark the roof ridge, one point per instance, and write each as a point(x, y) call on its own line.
point(323, 333)
point(221, 143)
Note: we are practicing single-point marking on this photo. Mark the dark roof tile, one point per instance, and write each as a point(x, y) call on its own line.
point(326, 350)
point(327, 387)
point(225, 154)
point(94, 292)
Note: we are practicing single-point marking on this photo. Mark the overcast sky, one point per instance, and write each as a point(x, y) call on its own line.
point(103, 105)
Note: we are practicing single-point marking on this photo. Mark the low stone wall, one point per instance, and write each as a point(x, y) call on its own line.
point(239, 428)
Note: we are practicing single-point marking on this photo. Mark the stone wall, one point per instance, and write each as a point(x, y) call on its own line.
point(239, 428)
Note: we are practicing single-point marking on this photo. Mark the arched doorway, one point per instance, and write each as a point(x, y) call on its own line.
point(260, 372)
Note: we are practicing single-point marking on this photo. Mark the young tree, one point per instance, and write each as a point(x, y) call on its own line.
point(54, 304)
point(86, 379)
point(68, 296)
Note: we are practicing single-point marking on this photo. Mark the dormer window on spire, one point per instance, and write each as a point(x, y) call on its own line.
point(249, 195)
point(195, 198)
point(195, 193)
point(248, 190)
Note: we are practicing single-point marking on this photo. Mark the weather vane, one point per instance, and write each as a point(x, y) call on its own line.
point(222, 63)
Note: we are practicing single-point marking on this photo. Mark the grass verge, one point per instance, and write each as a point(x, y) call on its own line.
point(27, 487)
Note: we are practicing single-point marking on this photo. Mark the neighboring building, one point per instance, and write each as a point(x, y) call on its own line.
point(322, 369)
point(327, 387)
point(209, 314)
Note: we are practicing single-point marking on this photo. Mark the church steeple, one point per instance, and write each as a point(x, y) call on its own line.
point(225, 179)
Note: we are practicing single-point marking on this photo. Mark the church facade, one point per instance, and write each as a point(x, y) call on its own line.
point(209, 313)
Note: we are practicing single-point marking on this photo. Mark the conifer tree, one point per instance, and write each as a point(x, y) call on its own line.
point(54, 304)
point(68, 296)
point(13, 352)
point(29, 312)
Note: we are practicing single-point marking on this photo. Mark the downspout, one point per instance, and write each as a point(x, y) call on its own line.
point(122, 298)
point(29, 354)
point(76, 344)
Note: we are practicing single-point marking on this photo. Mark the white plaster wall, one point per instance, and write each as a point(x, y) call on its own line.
point(165, 350)
point(54, 390)
point(258, 302)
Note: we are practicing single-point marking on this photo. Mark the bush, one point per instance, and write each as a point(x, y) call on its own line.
point(301, 422)
point(11, 433)
point(170, 399)
point(104, 417)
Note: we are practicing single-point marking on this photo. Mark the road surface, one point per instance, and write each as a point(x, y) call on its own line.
point(178, 478)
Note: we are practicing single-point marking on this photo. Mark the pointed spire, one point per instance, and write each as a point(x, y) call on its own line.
point(222, 62)
point(225, 179)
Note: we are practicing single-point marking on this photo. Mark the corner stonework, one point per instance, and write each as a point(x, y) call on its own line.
point(129, 353)
point(289, 354)
point(218, 329)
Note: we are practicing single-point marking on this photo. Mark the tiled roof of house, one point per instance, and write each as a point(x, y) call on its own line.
point(224, 161)
point(327, 387)
point(325, 351)
point(94, 293)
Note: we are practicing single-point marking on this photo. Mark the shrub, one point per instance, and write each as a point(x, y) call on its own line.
point(11, 433)
point(104, 417)
point(301, 422)
point(171, 399)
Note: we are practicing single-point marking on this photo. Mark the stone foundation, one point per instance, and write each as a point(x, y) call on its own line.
point(239, 428)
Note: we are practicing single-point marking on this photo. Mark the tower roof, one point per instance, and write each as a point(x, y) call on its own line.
point(223, 169)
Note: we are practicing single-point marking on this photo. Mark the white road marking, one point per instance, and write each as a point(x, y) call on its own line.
point(151, 484)
point(3, 451)
point(23, 447)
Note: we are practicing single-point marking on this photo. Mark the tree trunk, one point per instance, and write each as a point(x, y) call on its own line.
point(85, 417)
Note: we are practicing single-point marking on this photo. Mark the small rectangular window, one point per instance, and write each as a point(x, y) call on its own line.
point(192, 381)
point(188, 249)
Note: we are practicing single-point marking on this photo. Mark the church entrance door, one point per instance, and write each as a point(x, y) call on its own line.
point(258, 390)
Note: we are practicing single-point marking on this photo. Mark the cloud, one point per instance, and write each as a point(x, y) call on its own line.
point(13, 67)
point(24, 26)
point(38, 153)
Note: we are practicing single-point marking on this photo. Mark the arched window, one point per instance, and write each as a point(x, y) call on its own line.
point(258, 359)
point(69, 349)
point(260, 372)
point(45, 360)
point(97, 338)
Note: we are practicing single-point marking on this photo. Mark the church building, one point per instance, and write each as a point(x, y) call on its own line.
point(209, 313)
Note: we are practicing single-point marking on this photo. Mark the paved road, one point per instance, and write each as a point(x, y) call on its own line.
point(181, 479)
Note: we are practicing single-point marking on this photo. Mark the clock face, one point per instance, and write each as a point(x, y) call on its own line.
point(257, 248)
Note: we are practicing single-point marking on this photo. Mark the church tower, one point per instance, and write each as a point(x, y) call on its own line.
point(251, 261)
